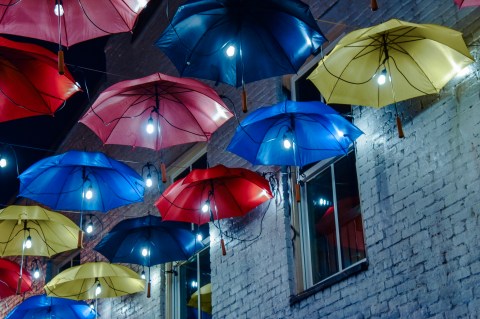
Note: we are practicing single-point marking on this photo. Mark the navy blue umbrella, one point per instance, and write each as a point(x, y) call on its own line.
point(293, 133)
point(81, 181)
point(43, 307)
point(149, 241)
point(240, 41)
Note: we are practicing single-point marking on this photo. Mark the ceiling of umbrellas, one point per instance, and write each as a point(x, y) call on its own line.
point(235, 42)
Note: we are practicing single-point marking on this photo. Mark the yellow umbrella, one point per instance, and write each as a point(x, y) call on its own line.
point(95, 280)
point(205, 299)
point(410, 59)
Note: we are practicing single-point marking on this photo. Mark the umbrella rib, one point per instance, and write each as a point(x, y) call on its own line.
point(114, 7)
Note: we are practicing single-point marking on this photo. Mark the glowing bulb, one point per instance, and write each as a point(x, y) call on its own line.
point(194, 284)
point(144, 252)
point(340, 134)
point(92, 306)
point(28, 242)
point(36, 273)
point(199, 237)
point(89, 193)
point(148, 181)
point(143, 274)
point(3, 162)
point(98, 289)
point(286, 143)
point(206, 207)
point(150, 128)
point(382, 77)
point(89, 228)
point(230, 51)
point(58, 10)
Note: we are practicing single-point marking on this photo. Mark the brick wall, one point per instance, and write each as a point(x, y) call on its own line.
point(419, 195)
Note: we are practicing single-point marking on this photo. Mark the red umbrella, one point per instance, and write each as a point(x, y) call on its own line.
point(156, 112)
point(229, 192)
point(467, 3)
point(68, 21)
point(30, 82)
point(9, 274)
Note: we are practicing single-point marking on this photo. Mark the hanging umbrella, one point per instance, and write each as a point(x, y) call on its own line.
point(148, 241)
point(389, 63)
point(240, 41)
point(9, 274)
point(81, 181)
point(176, 110)
point(205, 299)
point(467, 3)
point(42, 306)
point(293, 133)
point(35, 231)
point(95, 280)
point(30, 83)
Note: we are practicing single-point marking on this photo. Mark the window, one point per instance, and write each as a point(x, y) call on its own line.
point(327, 227)
point(188, 276)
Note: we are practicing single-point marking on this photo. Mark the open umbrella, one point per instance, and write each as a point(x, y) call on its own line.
point(30, 83)
point(240, 41)
point(148, 241)
point(389, 63)
point(467, 3)
point(36, 231)
point(81, 181)
point(9, 274)
point(95, 280)
point(156, 112)
point(293, 133)
point(42, 306)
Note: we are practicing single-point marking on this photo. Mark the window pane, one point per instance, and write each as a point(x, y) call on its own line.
point(322, 226)
point(348, 207)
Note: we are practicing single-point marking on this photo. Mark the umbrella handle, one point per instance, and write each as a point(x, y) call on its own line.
point(224, 250)
point(163, 170)
point(297, 193)
point(19, 285)
point(80, 239)
point(373, 5)
point(149, 286)
point(61, 64)
point(400, 128)
point(244, 101)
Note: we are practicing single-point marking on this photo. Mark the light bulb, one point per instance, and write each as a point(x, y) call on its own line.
point(230, 51)
point(89, 193)
point(3, 162)
point(143, 274)
point(36, 273)
point(194, 284)
point(287, 144)
point(98, 289)
point(92, 306)
point(150, 128)
point(28, 242)
point(148, 181)
point(144, 252)
point(199, 237)
point(58, 10)
point(89, 228)
point(382, 77)
point(206, 207)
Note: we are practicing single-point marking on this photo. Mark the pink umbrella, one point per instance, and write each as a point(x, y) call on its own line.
point(156, 112)
point(467, 3)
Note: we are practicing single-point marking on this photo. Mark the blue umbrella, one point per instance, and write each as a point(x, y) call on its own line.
point(81, 181)
point(43, 307)
point(293, 133)
point(149, 241)
point(240, 41)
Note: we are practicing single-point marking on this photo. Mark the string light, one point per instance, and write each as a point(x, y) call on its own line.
point(150, 127)
point(199, 237)
point(3, 161)
point(382, 77)
point(98, 289)
point(206, 206)
point(143, 275)
point(148, 181)
point(58, 10)
point(287, 144)
point(230, 51)
point(144, 252)
point(89, 193)
point(89, 228)
point(28, 241)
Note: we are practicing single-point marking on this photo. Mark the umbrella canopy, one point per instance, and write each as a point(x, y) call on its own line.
point(95, 280)
point(42, 306)
point(238, 42)
point(148, 241)
point(50, 232)
point(30, 83)
point(205, 299)
point(9, 274)
point(70, 21)
point(467, 3)
point(81, 181)
point(229, 192)
point(410, 59)
point(293, 133)
point(176, 110)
